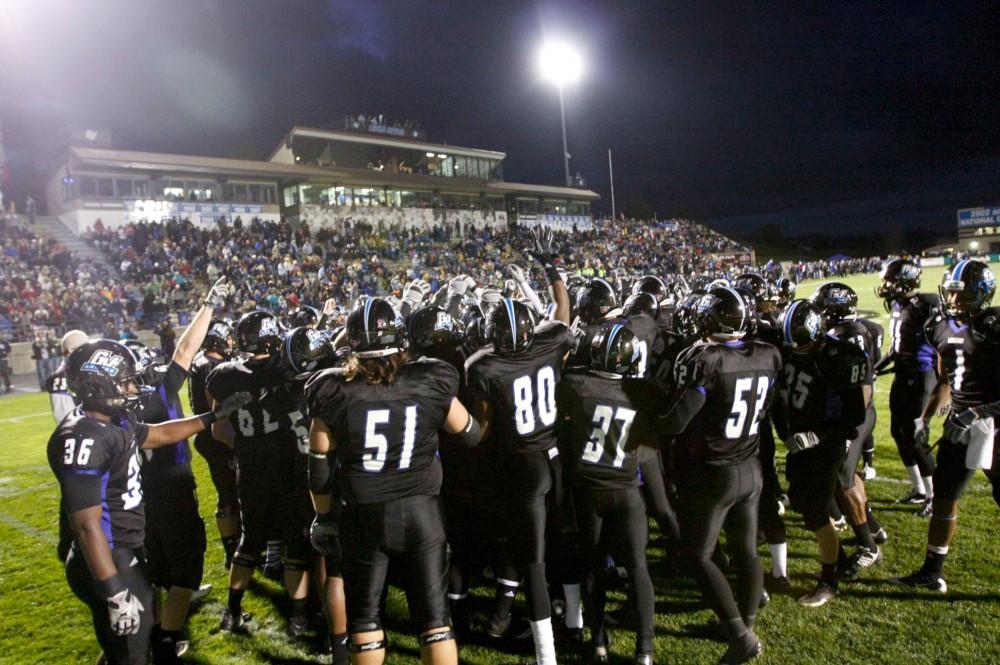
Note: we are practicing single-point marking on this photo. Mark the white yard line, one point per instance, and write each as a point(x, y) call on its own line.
point(21, 419)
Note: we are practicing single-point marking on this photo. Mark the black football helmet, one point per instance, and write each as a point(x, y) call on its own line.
point(432, 329)
point(306, 349)
point(782, 291)
point(613, 350)
point(900, 278)
point(837, 301)
point(596, 300)
point(304, 316)
point(652, 285)
point(685, 315)
point(376, 329)
point(642, 302)
point(510, 328)
point(219, 338)
point(148, 362)
point(104, 377)
point(802, 324)
point(755, 285)
point(258, 333)
point(722, 313)
point(489, 300)
point(967, 288)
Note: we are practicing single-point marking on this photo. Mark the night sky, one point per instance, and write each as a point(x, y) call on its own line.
point(840, 117)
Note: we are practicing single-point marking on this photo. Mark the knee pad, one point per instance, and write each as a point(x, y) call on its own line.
point(427, 639)
point(374, 645)
point(364, 625)
point(244, 560)
point(296, 565)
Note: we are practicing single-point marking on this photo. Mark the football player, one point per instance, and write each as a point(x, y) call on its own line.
point(217, 348)
point(839, 305)
point(94, 454)
point(912, 359)
point(175, 531)
point(380, 416)
point(514, 383)
point(967, 337)
point(716, 418)
point(823, 395)
point(59, 397)
point(609, 412)
point(266, 436)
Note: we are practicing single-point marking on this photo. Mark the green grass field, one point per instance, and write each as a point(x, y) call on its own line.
point(872, 621)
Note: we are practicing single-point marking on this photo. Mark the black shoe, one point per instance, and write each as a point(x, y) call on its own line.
point(863, 558)
point(744, 650)
point(914, 498)
point(821, 595)
point(927, 510)
point(922, 580)
point(777, 584)
point(235, 624)
point(765, 598)
point(643, 659)
point(880, 537)
point(498, 626)
point(298, 626)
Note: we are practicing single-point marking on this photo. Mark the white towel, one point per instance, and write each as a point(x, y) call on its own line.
point(979, 453)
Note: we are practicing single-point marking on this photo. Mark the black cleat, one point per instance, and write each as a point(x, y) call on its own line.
point(498, 626)
point(298, 626)
point(914, 498)
point(863, 558)
point(235, 624)
point(821, 595)
point(777, 584)
point(743, 651)
point(922, 580)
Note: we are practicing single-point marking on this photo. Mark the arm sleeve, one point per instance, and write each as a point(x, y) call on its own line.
point(175, 378)
point(683, 410)
point(83, 466)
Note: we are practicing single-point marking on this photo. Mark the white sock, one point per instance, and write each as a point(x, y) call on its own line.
point(779, 559)
point(916, 480)
point(929, 484)
point(545, 645)
point(574, 610)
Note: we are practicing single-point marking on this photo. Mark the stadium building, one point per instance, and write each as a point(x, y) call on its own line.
point(320, 176)
point(979, 230)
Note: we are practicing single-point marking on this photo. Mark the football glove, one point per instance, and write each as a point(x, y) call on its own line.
point(216, 296)
point(542, 249)
point(324, 534)
point(957, 426)
point(802, 441)
point(921, 433)
point(231, 404)
point(413, 295)
point(516, 272)
point(123, 611)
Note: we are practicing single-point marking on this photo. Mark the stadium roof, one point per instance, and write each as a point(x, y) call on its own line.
point(389, 141)
point(295, 173)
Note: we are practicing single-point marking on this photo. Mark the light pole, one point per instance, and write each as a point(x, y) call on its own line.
point(560, 64)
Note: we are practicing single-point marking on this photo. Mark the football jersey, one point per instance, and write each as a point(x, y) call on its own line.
point(386, 435)
point(907, 337)
point(522, 389)
point(737, 379)
point(812, 383)
point(607, 420)
point(56, 383)
point(201, 367)
point(97, 464)
point(971, 358)
point(649, 343)
point(166, 464)
point(857, 334)
point(877, 333)
point(272, 422)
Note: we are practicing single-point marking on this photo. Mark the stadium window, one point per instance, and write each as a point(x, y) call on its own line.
point(255, 194)
point(240, 193)
point(140, 188)
point(291, 195)
point(270, 194)
point(497, 172)
point(425, 199)
point(362, 197)
point(343, 196)
point(227, 192)
point(448, 167)
point(379, 198)
point(106, 187)
point(494, 203)
point(407, 199)
point(88, 186)
point(123, 186)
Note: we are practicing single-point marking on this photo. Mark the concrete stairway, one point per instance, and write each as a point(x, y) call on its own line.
point(51, 227)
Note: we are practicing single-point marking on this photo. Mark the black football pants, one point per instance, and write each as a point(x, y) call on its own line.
point(907, 399)
point(131, 565)
point(717, 498)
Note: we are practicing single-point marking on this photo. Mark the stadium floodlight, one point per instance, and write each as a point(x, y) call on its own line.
point(429, 154)
point(561, 64)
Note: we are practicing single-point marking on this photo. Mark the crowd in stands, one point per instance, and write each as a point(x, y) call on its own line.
point(833, 267)
point(280, 265)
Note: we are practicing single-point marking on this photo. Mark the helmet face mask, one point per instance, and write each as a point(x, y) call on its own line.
point(967, 289)
point(258, 333)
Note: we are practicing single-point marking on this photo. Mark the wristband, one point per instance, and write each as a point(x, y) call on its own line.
point(109, 587)
point(208, 418)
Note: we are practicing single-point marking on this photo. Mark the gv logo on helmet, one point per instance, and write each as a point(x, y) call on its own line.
point(268, 326)
point(104, 362)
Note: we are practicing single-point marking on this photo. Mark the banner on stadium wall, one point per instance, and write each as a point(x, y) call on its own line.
point(206, 213)
point(973, 217)
point(932, 261)
point(741, 258)
point(557, 222)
